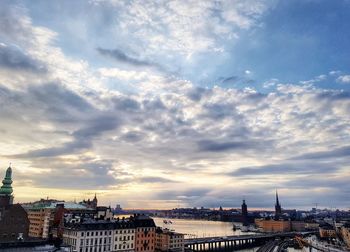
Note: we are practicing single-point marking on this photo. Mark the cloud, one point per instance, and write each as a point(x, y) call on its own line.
point(155, 180)
point(285, 169)
point(12, 58)
point(122, 57)
point(329, 154)
point(344, 79)
point(69, 125)
point(215, 146)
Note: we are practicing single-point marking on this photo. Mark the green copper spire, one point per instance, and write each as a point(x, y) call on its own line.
point(6, 188)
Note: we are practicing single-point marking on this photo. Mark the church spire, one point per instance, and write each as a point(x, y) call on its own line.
point(6, 188)
point(278, 208)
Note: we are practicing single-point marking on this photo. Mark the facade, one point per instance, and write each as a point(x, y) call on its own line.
point(39, 222)
point(311, 225)
point(42, 216)
point(273, 226)
point(298, 226)
point(89, 237)
point(345, 233)
point(124, 236)
point(14, 223)
point(327, 231)
point(145, 233)
point(100, 235)
point(167, 240)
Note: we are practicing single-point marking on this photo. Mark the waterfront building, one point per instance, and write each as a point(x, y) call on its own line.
point(145, 233)
point(167, 240)
point(273, 225)
point(14, 223)
point(278, 208)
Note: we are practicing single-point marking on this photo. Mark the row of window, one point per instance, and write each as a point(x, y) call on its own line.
point(98, 241)
point(124, 238)
point(91, 233)
point(124, 246)
point(145, 235)
point(144, 249)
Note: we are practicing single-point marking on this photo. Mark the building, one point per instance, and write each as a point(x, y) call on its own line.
point(278, 208)
point(124, 236)
point(90, 203)
point(145, 233)
point(244, 214)
point(167, 240)
point(298, 226)
point(14, 223)
point(272, 226)
point(345, 233)
point(104, 213)
point(327, 231)
point(42, 214)
point(39, 220)
point(100, 235)
point(96, 236)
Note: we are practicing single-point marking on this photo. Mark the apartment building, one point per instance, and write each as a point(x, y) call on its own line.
point(167, 240)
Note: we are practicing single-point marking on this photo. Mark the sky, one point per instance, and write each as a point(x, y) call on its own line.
point(162, 104)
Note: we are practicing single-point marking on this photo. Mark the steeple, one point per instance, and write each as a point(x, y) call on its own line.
point(277, 201)
point(278, 208)
point(6, 188)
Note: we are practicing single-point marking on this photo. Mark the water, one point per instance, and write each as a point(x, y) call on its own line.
point(199, 228)
point(203, 228)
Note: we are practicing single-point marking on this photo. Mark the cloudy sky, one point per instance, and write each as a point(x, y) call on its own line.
point(160, 104)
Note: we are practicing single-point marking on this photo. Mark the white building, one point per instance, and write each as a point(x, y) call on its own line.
point(89, 237)
point(124, 237)
point(100, 236)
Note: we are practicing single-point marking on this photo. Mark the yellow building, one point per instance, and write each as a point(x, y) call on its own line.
point(167, 240)
point(39, 220)
point(273, 225)
point(345, 233)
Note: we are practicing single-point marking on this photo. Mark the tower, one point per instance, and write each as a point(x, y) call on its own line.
point(278, 208)
point(244, 213)
point(6, 190)
point(94, 202)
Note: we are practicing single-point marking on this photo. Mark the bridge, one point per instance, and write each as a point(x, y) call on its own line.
point(237, 242)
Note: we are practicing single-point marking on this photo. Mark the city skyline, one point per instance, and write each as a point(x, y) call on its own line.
point(177, 103)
